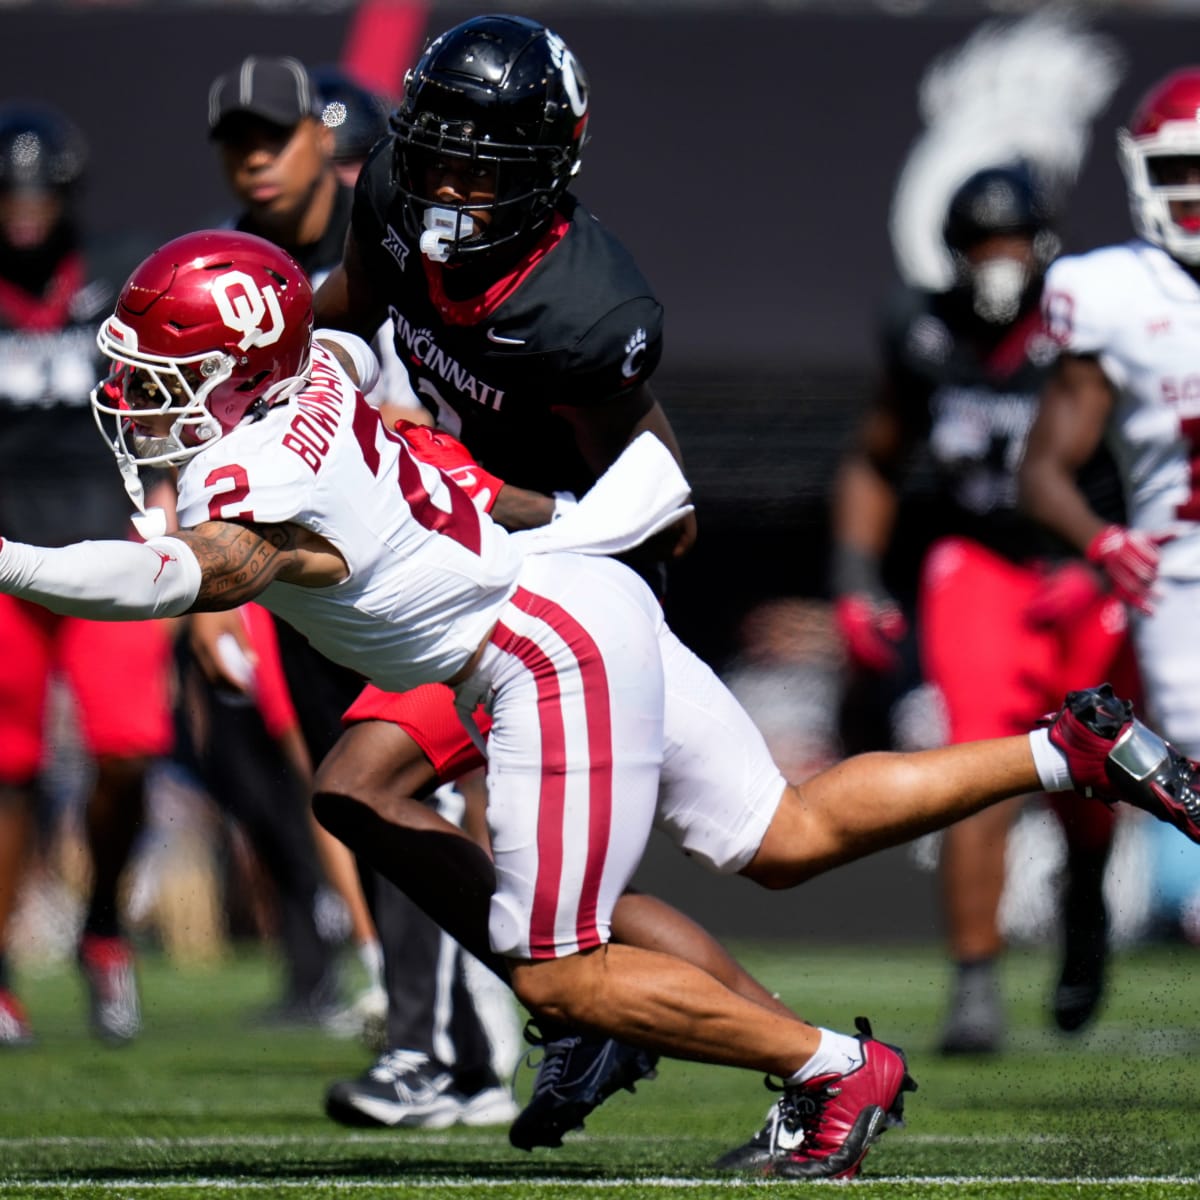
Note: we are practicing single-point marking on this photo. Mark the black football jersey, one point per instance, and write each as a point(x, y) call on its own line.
point(58, 482)
point(574, 324)
point(972, 391)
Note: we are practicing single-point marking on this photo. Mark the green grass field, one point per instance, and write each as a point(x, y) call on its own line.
point(206, 1104)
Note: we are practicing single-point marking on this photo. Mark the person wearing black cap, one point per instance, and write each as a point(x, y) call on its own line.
point(277, 156)
point(279, 136)
point(52, 293)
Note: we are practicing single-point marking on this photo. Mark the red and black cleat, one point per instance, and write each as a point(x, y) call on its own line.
point(107, 967)
point(823, 1128)
point(14, 1025)
point(1113, 756)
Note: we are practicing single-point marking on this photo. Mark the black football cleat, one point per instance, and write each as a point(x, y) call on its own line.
point(975, 1021)
point(1081, 979)
point(577, 1073)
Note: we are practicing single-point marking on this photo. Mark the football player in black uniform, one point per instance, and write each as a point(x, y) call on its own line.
point(963, 369)
point(55, 487)
point(530, 333)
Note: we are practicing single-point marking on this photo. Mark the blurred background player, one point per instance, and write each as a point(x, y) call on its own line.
point(1124, 319)
point(56, 486)
point(279, 138)
point(962, 370)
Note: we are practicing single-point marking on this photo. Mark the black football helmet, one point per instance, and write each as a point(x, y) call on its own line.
point(39, 149)
point(998, 201)
point(357, 116)
point(506, 97)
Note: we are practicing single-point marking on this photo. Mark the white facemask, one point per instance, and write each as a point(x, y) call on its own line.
point(443, 227)
point(997, 286)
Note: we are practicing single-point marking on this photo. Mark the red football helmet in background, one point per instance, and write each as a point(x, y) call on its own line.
point(211, 327)
point(1164, 131)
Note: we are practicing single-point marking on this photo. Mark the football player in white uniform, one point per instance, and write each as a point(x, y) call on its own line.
point(1127, 318)
point(292, 492)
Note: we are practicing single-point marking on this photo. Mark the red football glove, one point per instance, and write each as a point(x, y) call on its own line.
point(870, 629)
point(1064, 594)
point(451, 457)
point(1130, 560)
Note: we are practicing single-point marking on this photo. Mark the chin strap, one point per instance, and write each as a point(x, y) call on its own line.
point(149, 522)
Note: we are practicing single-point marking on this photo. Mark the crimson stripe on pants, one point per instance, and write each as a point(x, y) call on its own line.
point(554, 767)
point(600, 750)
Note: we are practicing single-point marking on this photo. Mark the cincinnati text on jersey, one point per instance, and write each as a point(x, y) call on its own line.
point(425, 352)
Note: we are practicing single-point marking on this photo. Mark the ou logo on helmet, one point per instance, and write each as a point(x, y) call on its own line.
point(243, 305)
point(572, 80)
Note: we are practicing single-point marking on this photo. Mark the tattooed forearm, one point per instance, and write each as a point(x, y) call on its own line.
point(238, 560)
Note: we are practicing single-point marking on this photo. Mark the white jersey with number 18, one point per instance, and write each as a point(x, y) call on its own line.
point(429, 574)
point(1137, 311)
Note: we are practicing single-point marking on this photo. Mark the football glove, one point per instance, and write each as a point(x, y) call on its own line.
point(1129, 558)
point(870, 627)
point(452, 458)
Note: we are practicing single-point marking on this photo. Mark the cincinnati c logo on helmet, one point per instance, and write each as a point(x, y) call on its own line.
point(564, 60)
point(243, 304)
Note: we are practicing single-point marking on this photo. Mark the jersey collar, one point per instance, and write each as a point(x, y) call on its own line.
point(476, 308)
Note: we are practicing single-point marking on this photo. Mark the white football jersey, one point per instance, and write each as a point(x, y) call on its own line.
point(429, 574)
point(1138, 311)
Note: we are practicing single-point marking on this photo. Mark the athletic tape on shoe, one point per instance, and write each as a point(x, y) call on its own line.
point(1139, 752)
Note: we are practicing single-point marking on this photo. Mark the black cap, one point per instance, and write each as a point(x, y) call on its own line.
point(275, 89)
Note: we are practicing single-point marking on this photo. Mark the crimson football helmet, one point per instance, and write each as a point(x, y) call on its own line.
point(1165, 126)
point(501, 97)
point(211, 328)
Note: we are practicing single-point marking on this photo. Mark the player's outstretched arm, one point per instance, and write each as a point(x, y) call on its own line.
point(239, 559)
point(217, 565)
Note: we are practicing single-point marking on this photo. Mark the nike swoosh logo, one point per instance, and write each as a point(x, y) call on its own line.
point(501, 340)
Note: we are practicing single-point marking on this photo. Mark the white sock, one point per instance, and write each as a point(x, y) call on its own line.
point(370, 954)
point(838, 1054)
point(1050, 761)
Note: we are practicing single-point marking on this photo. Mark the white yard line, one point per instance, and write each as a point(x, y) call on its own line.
point(528, 1185)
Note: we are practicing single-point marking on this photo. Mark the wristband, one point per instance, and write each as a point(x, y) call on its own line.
point(563, 503)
